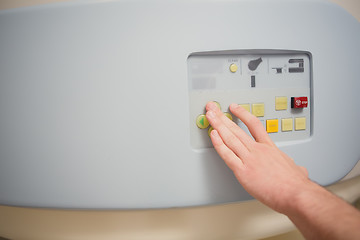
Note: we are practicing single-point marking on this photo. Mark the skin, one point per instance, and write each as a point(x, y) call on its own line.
point(273, 178)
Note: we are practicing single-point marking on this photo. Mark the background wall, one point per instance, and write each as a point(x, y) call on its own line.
point(249, 219)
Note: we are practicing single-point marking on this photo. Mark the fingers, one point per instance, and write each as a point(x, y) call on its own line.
point(254, 125)
point(229, 157)
point(233, 127)
point(229, 139)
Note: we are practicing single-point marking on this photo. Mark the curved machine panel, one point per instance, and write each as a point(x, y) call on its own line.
point(99, 100)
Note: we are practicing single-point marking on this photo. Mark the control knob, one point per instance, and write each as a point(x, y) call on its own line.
point(253, 64)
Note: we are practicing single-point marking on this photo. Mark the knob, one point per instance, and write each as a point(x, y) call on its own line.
point(253, 64)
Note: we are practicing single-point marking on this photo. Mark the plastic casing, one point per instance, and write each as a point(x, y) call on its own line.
point(94, 100)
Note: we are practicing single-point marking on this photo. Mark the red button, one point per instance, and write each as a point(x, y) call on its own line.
point(299, 102)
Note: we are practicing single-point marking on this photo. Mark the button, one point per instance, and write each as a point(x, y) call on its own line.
point(272, 125)
point(246, 106)
point(299, 102)
point(209, 131)
point(258, 109)
point(300, 124)
point(202, 122)
point(228, 115)
point(280, 103)
point(233, 68)
point(286, 124)
point(217, 104)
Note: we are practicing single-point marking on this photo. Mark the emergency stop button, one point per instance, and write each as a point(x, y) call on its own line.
point(299, 102)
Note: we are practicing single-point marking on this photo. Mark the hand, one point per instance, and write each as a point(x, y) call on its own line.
point(263, 170)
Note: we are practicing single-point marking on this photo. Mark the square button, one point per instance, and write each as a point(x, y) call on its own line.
point(272, 125)
point(300, 124)
point(281, 103)
point(258, 109)
point(246, 106)
point(286, 124)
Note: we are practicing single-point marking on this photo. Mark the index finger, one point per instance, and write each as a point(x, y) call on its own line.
point(254, 125)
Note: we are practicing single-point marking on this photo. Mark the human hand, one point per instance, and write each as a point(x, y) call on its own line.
point(267, 173)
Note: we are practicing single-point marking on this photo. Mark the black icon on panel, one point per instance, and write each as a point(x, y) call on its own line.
point(253, 64)
point(278, 70)
point(253, 81)
point(298, 69)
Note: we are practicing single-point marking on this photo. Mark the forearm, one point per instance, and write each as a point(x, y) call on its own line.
point(319, 214)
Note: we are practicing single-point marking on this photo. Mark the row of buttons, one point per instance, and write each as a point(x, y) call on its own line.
point(258, 110)
point(272, 125)
point(296, 102)
point(281, 103)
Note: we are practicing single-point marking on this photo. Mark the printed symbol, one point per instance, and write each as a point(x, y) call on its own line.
point(253, 83)
point(278, 69)
point(300, 67)
point(202, 121)
point(253, 64)
point(299, 102)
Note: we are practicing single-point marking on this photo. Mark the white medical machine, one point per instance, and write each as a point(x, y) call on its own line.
point(102, 102)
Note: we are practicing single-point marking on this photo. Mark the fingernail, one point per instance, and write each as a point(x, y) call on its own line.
point(215, 133)
point(212, 106)
point(234, 105)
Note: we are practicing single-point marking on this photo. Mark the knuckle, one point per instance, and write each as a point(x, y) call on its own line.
point(231, 140)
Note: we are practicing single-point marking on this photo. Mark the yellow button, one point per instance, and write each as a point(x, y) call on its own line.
point(258, 109)
point(246, 106)
point(209, 131)
point(228, 115)
point(217, 104)
point(202, 122)
point(280, 103)
point(272, 125)
point(233, 68)
point(286, 124)
point(300, 124)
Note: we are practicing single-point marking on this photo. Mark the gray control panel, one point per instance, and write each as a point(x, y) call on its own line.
point(274, 85)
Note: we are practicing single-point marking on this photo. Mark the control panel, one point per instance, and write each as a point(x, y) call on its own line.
point(274, 85)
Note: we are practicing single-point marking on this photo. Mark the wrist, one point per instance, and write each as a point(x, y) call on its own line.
point(302, 198)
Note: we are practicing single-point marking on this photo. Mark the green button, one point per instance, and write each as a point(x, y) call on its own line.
point(202, 122)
